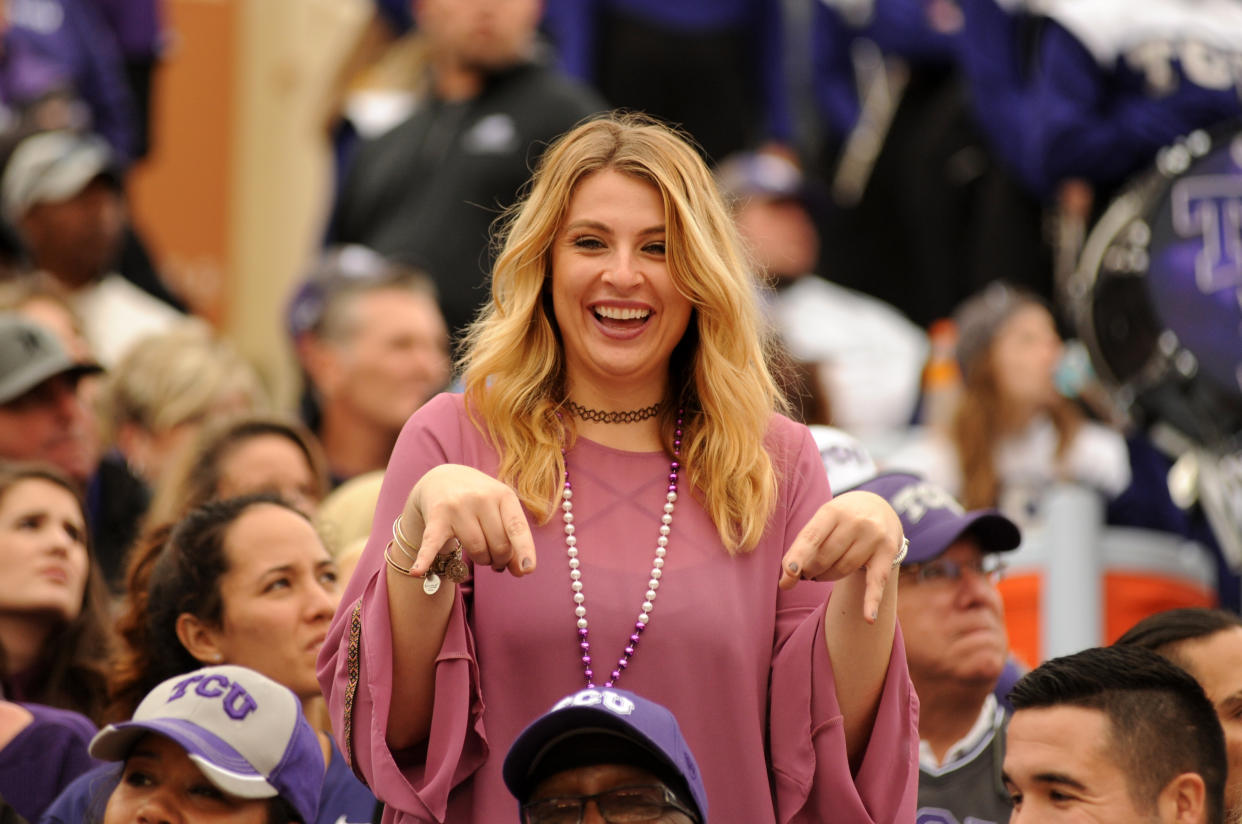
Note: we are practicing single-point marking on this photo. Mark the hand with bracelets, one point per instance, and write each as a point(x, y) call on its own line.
point(855, 532)
point(445, 565)
point(463, 514)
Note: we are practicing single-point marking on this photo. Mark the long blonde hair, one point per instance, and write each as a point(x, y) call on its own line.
point(513, 365)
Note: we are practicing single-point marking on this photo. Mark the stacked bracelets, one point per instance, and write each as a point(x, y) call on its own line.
point(447, 564)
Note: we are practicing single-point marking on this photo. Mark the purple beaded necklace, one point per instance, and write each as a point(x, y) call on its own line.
point(657, 568)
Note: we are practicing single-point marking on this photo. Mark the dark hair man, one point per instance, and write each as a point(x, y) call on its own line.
point(1114, 734)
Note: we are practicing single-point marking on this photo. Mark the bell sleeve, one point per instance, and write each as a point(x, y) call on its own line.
point(355, 665)
point(811, 776)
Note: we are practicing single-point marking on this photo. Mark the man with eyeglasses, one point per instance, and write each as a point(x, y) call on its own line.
point(605, 756)
point(952, 623)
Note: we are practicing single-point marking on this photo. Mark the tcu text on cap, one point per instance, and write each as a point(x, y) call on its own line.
point(914, 501)
point(608, 699)
point(237, 702)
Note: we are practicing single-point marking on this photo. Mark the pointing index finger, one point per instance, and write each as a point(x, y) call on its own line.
point(522, 561)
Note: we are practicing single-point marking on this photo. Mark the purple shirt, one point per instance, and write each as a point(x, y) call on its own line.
point(64, 45)
point(1106, 122)
point(136, 24)
point(743, 665)
point(44, 758)
point(899, 28)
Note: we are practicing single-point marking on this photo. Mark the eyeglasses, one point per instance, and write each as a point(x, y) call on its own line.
point(623, 805)
point(991, 567)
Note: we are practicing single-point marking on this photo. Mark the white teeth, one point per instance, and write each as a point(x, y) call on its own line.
point(615, 313)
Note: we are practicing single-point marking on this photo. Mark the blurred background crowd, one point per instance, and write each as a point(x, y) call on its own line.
point(1000, 240)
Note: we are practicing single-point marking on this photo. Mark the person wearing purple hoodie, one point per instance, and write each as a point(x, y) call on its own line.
point(60, 67)
point(138, 27)
point(1112, 82)
point(908, 162)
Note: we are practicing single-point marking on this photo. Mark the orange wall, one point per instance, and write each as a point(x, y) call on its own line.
point(180, 194)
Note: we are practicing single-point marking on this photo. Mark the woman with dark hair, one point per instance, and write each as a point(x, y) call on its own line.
point(233, 457)
point(53, 636)
point(54, 639)
point(242, 581)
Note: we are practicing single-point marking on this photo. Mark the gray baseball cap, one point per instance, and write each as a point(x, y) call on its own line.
point(50, 167)
point(31, 354)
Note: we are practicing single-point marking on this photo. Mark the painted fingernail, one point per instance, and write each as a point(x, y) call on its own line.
point(875, 614)
point(527, 563)
point(793, 567)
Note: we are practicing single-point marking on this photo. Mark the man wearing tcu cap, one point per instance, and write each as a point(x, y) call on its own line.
point(42, 416)
point(953, 625)
point(605, 755)
point(217, 744)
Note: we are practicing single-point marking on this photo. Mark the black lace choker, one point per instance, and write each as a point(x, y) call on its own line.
point(631, 416)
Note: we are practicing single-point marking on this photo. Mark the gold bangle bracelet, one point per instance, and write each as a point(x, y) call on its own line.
point(406, 571)
point(412, 556)
point(398, 535)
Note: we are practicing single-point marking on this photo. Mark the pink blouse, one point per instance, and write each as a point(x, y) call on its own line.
point(743, 665)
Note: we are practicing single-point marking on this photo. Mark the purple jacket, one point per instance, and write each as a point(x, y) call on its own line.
point(65, 45)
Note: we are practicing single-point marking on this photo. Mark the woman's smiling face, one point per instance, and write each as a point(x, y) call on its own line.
point(619, 313)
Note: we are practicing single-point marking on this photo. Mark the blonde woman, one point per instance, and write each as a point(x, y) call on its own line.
point(153, 401)
point(650, 519)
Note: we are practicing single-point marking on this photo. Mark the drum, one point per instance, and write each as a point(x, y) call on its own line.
point(1157, 297)
point(1157, 300)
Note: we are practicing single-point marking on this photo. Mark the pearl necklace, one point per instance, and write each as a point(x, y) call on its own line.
point(653, 584)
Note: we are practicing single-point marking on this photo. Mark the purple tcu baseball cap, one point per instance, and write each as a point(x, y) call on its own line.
point(599, 726)
point(933, 519)
point(243, 730)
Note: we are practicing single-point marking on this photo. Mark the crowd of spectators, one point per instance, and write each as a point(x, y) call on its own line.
point(914, 182)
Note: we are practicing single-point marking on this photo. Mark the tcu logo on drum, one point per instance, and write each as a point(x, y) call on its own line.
point(237, 703)
point(608, 699)
point(913, 502)
point(1210, 206)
